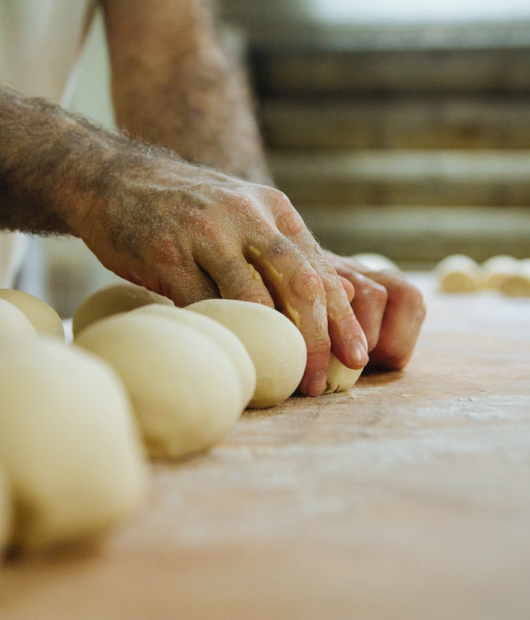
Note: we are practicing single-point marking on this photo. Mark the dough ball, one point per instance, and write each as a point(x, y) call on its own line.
point(227, 340)
point(517, 284)
point(340, 378)
point(458, 274)
point(275, 345)
point(113, 299)
point(6, 515)
point(68, 442)
point(496, 269)
point(14, 321)
point(42, 316)
point(377, 262)
point(185, 389)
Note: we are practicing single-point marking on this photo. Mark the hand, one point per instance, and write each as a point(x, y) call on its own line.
point(192, 233)
point(390, 310)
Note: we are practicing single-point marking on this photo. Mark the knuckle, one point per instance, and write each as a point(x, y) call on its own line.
point(307, 284)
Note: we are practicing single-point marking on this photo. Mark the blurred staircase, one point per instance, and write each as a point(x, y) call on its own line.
point(411, 141)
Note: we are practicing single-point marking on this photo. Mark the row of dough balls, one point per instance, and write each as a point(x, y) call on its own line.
point(142, 379)
point(461, 274)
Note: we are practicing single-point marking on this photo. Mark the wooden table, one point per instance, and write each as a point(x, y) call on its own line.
point(407, 497)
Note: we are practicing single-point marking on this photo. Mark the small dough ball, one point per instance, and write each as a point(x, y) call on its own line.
point(14, 321)
point(458, 274)
point(68, 442)
point(185, 390)
point(228, 341)
point(113, 299)
point(275, 345)
point(42, 316)
point(340, 378)
point(377, 262)
point(517, 284)
point(6, 514)
point(496, 269)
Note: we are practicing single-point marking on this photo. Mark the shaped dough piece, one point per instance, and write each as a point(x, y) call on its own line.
point(6, 515)
point(496, 269)
point(275, 345)
point(226, 339)
point(185, 390)
point(377, 262)
point(518, 283)
point(42, 316)
point(340, 378)
point(14, 321)
point(69, 444)
point(458, 274)
point(113, 299)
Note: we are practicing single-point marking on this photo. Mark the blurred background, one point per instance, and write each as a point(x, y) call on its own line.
point(397, 128)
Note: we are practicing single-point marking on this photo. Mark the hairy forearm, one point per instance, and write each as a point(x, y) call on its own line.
point(174, 85)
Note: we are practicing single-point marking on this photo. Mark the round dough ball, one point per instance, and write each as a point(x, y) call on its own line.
point(496, 269)
point(275, 345)
point(458, 274)
point(6, 514)
point(185, 390)
point(42, 316)
point(517, 284)
point(68, 442)
point(113, 299)
point(228, 341)
point(377, 262)
point(14, 321)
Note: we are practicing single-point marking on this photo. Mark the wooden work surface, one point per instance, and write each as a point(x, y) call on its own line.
point(407, 497)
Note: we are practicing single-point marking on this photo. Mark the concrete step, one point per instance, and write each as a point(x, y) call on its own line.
point(419, 237)
point(479, 178)
point(401, 122)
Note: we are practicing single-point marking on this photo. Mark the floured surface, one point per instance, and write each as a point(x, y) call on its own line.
point(407, 497)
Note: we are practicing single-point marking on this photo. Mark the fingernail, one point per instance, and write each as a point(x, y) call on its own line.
point(316, 384)
point(358, 354)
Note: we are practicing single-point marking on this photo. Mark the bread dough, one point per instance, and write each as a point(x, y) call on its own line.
point(518, 283)
point(228, 341)
point(376, 262)
point(113, 299)
point(458, 274)
point(69, 445)
point(14, 321)
point(6, 515)
point(340, 378)
point(275, 345)
point(42, 316)
point(185, 390)
point(496, 269)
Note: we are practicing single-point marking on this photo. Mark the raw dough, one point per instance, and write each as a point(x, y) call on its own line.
point(6, 515)
point(228, 341)
point(113, 299)
point(13, 320)
point(185, 389)
point(458, 274)
point(377, 262)
point(518, 283)
point(42, 316)
point(68, 442)
point(496, 269)
point(275, 345)
point(341, 378)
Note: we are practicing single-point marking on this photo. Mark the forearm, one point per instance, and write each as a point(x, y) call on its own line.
point(174, 85)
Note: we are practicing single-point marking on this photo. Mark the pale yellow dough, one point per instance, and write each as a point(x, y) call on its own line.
point(185, 390)
point(496, 269)
point(42, 316)
point(341, 378)
point(227, 340)
point(14, 321)
point(113, 299)
point(69, 445)
point(275, 345)
point(377, 262)
point(458, 274)
point(517, 284)
point(6, 512)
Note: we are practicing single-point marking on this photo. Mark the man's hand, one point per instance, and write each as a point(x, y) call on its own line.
point(390, 310)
